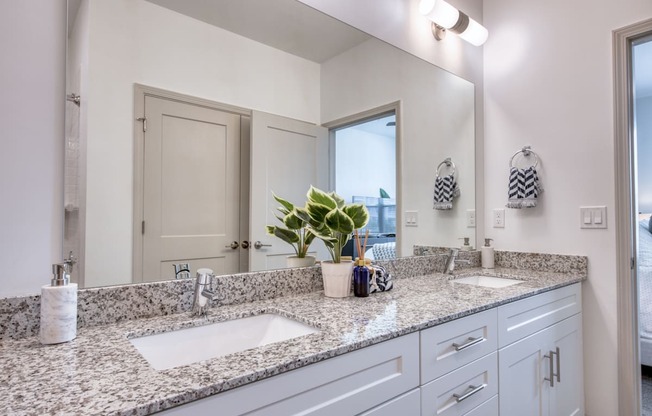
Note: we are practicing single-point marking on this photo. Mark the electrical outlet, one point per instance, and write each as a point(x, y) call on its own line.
point(499, 218)
point(470, 218)
point(411, 218)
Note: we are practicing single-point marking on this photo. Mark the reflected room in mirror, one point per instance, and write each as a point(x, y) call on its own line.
point(184, 116)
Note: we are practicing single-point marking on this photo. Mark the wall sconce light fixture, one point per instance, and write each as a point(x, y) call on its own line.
point(446, 17)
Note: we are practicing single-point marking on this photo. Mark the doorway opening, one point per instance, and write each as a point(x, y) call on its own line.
point(642, 135)
point(365, 171)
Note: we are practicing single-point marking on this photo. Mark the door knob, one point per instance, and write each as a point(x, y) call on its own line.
point(258, 245)
point(234, 245)
point(245, 244)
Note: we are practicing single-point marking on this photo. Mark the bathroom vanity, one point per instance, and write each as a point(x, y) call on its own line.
point(430, 346)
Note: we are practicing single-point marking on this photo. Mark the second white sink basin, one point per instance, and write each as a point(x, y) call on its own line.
point(487, 281)
point(189, 345)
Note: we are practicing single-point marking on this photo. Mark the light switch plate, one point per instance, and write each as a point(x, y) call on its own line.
point(411, 218)
point(593, 217)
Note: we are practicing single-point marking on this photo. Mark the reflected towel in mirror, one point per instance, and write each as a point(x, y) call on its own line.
point(445, 190)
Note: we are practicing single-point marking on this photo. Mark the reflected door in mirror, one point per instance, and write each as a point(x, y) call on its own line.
point(191, 186)
point(287, 156)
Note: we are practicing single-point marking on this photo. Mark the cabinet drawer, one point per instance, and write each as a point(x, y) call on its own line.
point(519, 319)
point(461, 391)
point(454, 344)
point(488, 408)
point(408, 404)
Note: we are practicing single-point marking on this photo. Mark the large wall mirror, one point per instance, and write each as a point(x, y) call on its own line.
point(262, 87)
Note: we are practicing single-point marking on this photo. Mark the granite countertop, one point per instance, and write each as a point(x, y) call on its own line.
point(100, 372)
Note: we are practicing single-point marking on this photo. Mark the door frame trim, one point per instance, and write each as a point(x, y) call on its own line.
point(396, 107)
point(140, 92)
point(629, 370)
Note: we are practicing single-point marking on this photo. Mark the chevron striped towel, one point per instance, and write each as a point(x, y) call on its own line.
point(524, 188)
point(445, 190)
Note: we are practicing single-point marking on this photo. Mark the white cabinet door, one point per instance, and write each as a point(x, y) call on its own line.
point(522, 369)
point(567, 396)
point(542, 374)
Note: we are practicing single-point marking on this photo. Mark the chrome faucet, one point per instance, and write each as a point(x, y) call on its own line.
point(203, 293)
point(182, 271)
point(452, 259)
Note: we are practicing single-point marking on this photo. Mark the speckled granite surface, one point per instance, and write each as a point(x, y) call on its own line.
point(19, 316)
point(100, 372)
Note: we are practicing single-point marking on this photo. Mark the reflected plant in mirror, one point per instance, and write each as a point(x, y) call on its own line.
point(296, 233)
point(232, 104)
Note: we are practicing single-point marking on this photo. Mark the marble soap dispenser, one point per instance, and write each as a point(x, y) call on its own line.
point(59, 307)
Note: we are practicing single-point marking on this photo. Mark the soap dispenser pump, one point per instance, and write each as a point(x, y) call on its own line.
point(487, 254)
point(467, 245)
point(59, 306)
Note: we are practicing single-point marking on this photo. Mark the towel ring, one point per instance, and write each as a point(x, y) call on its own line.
point(449, 164)
point(527, 151)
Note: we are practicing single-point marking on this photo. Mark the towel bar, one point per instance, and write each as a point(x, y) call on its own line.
point(448, 163)
point(527, 151)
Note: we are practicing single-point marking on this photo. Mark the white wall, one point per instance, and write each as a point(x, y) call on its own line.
point(436, 122)
point(32, 76)
point(189, 57)
point(644, 153)
point(548, 83)
point(399, 23)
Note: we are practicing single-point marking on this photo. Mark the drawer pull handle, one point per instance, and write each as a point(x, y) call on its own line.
point(471, 342)
point(474, 390)
point(551, 366)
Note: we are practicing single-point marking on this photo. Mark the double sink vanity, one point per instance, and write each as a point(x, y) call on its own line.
point(474, 343)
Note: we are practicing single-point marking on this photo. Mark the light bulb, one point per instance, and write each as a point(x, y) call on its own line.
point(439, 12)
point(475, 33)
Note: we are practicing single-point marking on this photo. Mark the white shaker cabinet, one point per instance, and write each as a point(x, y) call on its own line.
point(541, 374)
point(523, 358)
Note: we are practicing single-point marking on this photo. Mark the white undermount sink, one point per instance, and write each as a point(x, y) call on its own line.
point(189, 345)
point(487, 281)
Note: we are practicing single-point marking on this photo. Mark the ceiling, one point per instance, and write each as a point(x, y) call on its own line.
point(288, 25)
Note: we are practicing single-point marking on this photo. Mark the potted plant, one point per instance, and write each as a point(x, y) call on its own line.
point(296, 233)
point(333, 221)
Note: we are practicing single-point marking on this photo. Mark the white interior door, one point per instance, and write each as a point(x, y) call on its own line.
point(191, 181)
point(287, 156)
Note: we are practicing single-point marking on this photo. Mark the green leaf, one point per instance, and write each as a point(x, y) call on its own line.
point(317, 212)
point(383, 193)
point(325, 236)
point(305, 216)
point(293, 222)
point(339, 222)
point(286, 204)
point(309, 237)
point(320, 197)
point(338, 200)
point(290, 237)
point(358, 213)
point(270, 229)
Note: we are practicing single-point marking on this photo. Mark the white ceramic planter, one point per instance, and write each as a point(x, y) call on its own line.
point(337, 278)
point(294, 261)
